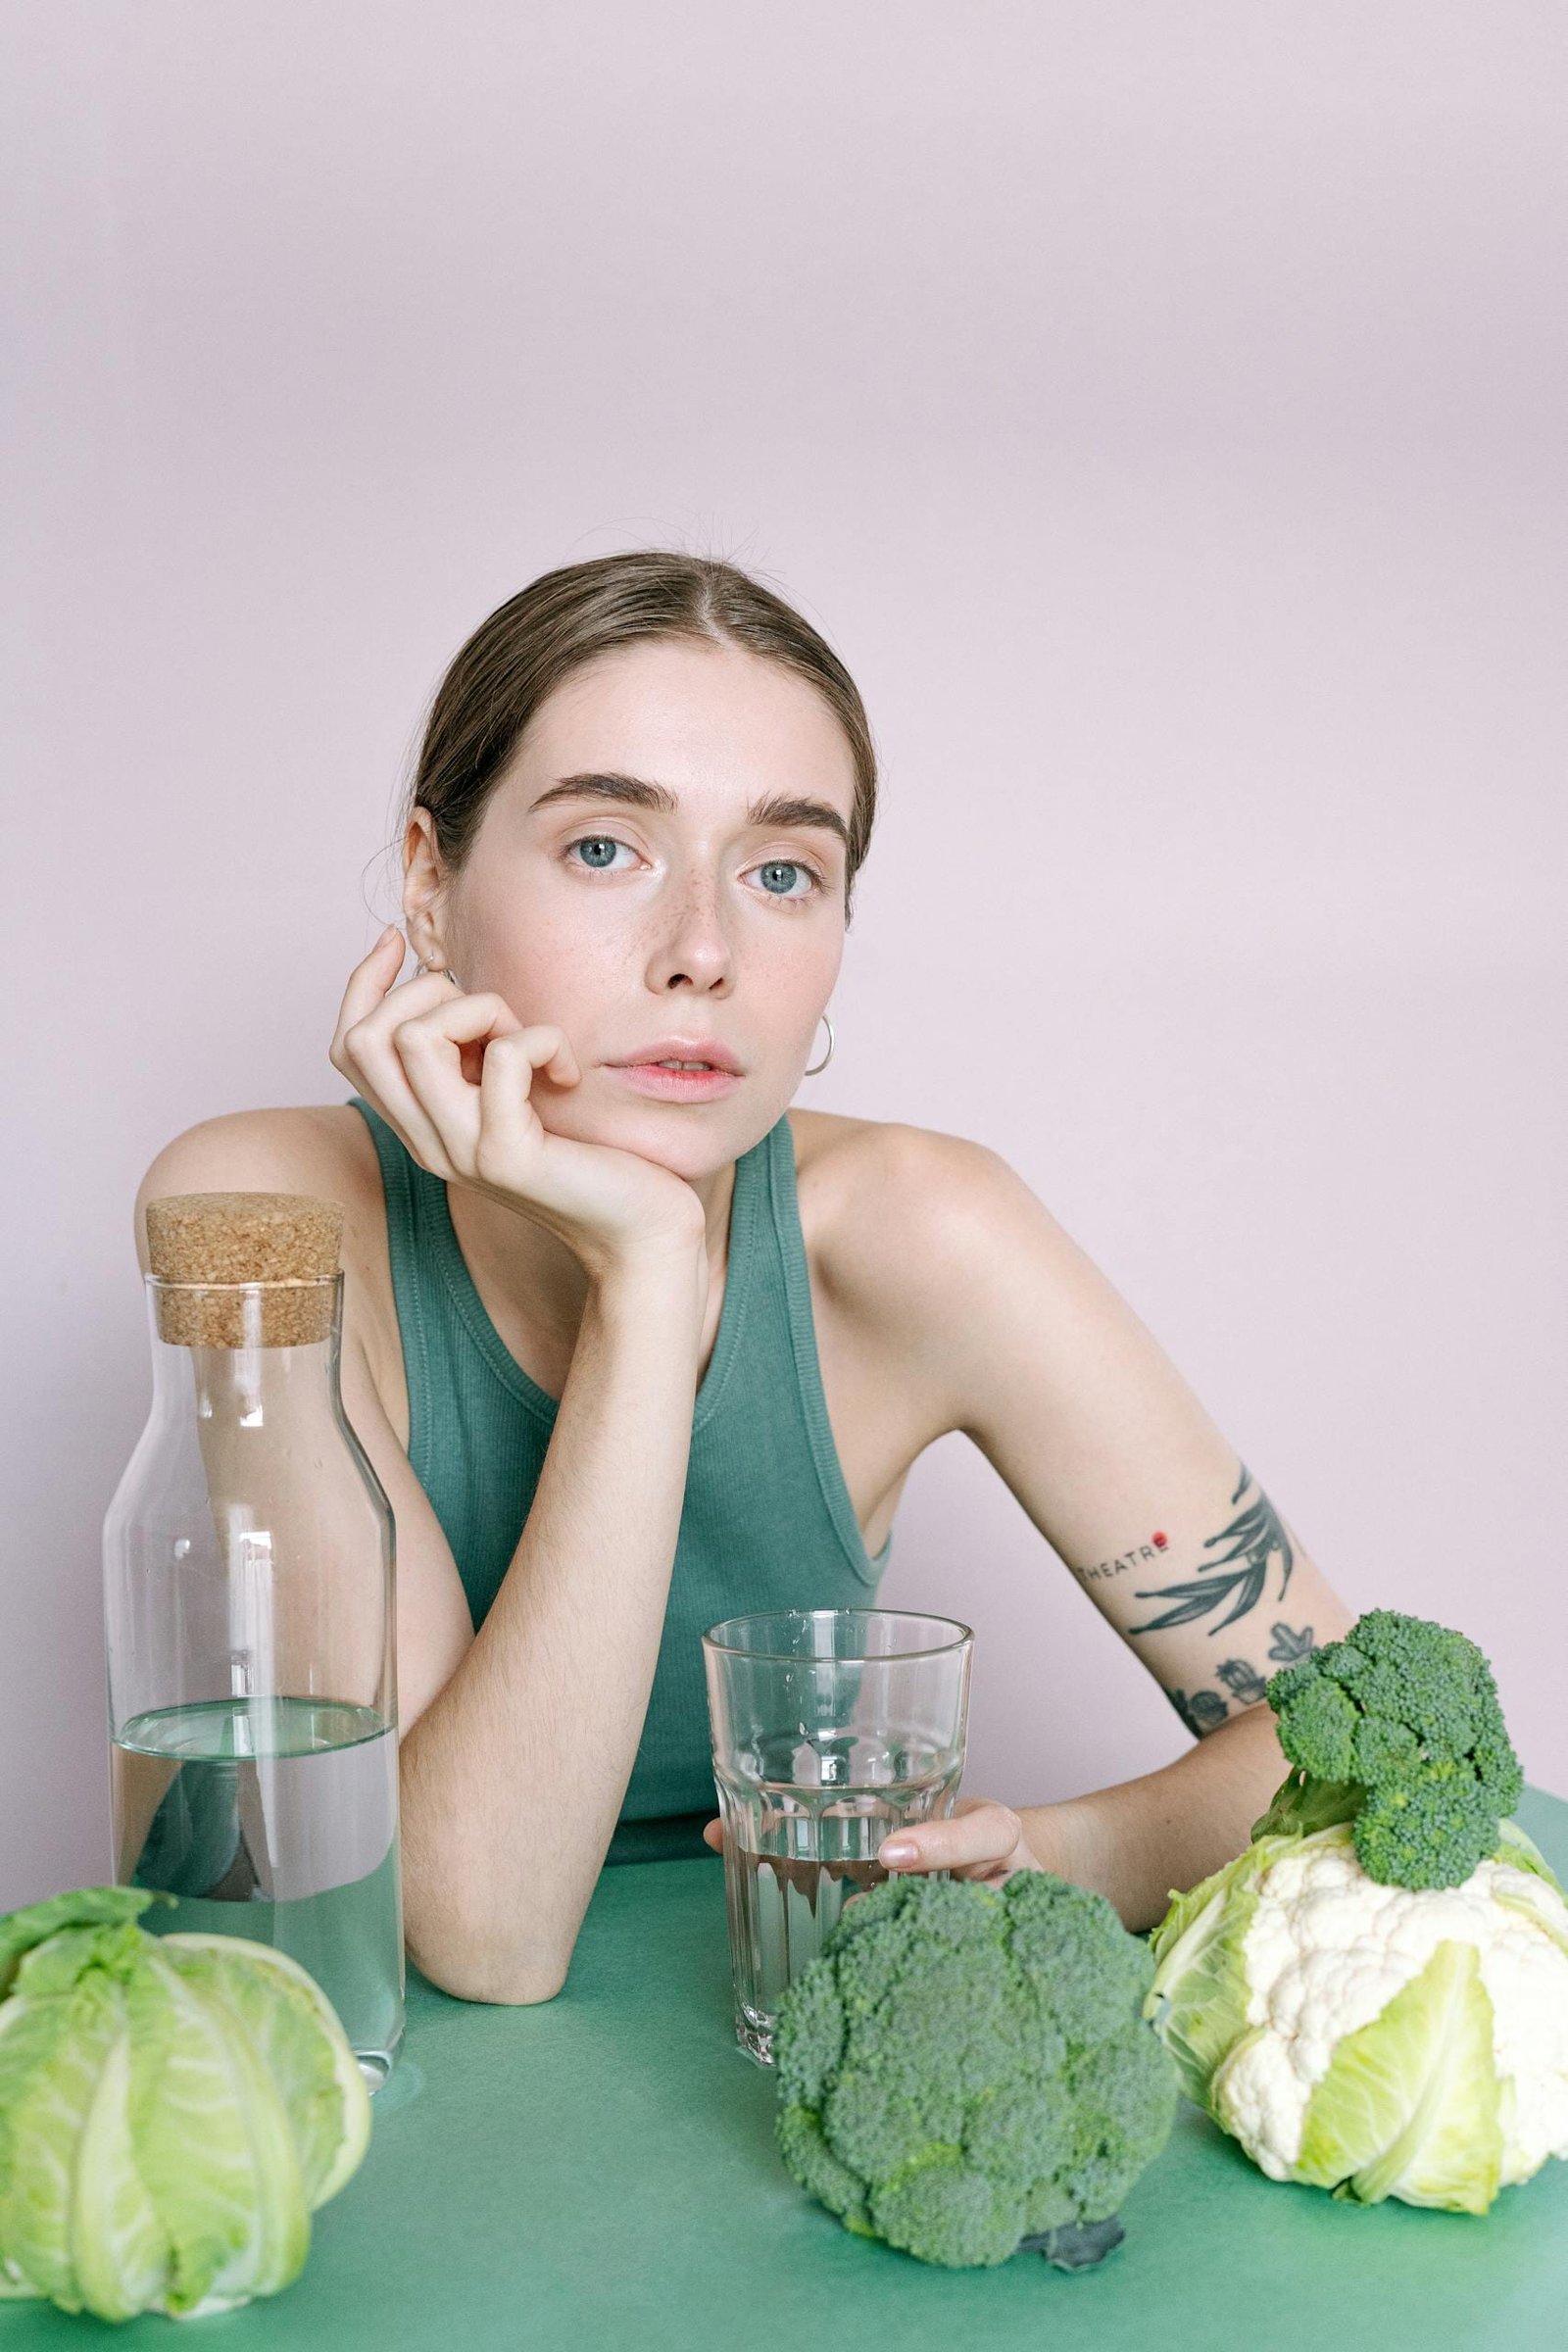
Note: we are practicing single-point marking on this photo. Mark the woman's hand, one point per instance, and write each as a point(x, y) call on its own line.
point(453, 1074)
point(981, 1839)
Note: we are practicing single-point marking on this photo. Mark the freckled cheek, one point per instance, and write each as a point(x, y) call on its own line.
point(801, 977)
point(547, 965)
point(550, 964)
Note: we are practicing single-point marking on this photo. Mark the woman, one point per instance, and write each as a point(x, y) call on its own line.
point(632, 1349)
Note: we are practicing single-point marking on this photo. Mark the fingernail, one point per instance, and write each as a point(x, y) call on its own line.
point(390, 932)
point(896, 1849)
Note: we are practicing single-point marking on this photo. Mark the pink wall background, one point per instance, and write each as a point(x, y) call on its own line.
point(1163, 411)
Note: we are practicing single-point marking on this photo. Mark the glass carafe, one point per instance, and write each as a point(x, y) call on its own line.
point(249, 1595)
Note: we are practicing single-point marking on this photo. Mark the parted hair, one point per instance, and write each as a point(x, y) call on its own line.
point(528, 645)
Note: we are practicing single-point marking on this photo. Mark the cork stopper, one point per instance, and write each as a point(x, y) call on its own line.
point(292, 1242)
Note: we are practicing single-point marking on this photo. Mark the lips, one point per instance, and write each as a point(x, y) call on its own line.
point(675, 1086)
point(681, 1049)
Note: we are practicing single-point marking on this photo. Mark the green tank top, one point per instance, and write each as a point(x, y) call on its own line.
point(768, 1521)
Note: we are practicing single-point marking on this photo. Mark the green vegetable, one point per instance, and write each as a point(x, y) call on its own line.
point(1373, 1997)
point(1375, 2040)
point(172, 2110)
point(963, 2069)
point(1396, 1729)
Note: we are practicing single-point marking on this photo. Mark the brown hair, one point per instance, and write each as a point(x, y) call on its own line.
point(565, 618)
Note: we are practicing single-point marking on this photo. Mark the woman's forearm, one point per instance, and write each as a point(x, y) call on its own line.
point(1166, 1829)
point(513, 1774)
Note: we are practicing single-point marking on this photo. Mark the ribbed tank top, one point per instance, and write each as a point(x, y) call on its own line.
point(766, 1522)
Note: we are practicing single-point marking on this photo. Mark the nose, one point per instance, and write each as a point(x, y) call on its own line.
point(694, 946)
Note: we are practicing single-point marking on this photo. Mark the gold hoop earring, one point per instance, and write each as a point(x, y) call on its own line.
point(827, 1056)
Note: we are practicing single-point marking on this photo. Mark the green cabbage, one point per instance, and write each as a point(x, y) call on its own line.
point(172, 2109)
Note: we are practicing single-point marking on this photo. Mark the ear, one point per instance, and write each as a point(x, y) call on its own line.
point(424, 886)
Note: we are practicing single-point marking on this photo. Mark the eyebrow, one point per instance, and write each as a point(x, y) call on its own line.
point(780, 808)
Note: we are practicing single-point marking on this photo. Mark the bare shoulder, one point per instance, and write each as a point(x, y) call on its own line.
point(323, 1149)
point(904, 1228)
point(884, 1201)
point(945, 1271)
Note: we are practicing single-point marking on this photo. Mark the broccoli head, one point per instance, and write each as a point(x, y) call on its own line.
point(963, 2069)
point(1398, 1728)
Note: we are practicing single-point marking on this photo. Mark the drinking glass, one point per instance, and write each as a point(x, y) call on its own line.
point(832, 1728)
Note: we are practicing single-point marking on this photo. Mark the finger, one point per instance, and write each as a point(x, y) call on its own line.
point(367, 1012)
point(415, 1048)
point(988, 1832)
point(714, 1835)
point(362, 1051)
point(462, 1020)
point(371, 978)
point(510, 1126)
point(388, 1092)
point(434, 1048)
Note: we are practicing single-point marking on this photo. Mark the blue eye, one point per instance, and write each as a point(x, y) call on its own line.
point(791, 865)
point(816, 882)
point(596, 840)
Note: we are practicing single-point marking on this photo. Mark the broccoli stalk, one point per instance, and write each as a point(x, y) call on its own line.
point(963, 2071)
point(1399, 1730)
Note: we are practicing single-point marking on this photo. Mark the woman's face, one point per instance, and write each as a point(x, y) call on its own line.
point(707, 908)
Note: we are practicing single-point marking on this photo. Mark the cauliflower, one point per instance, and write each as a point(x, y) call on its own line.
point(1370, 2038)
point(1373, 1997)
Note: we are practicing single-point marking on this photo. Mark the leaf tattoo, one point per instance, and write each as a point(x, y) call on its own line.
point(1255, 1535)
point(1290, 1647)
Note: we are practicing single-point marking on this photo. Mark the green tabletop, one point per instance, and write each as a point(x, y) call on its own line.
point(600, 2171)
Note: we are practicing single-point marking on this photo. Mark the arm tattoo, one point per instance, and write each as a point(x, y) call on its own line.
point(1288, 1646)
point(1255, 1535)
point(1200, 1710)
point(1243, 1681)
